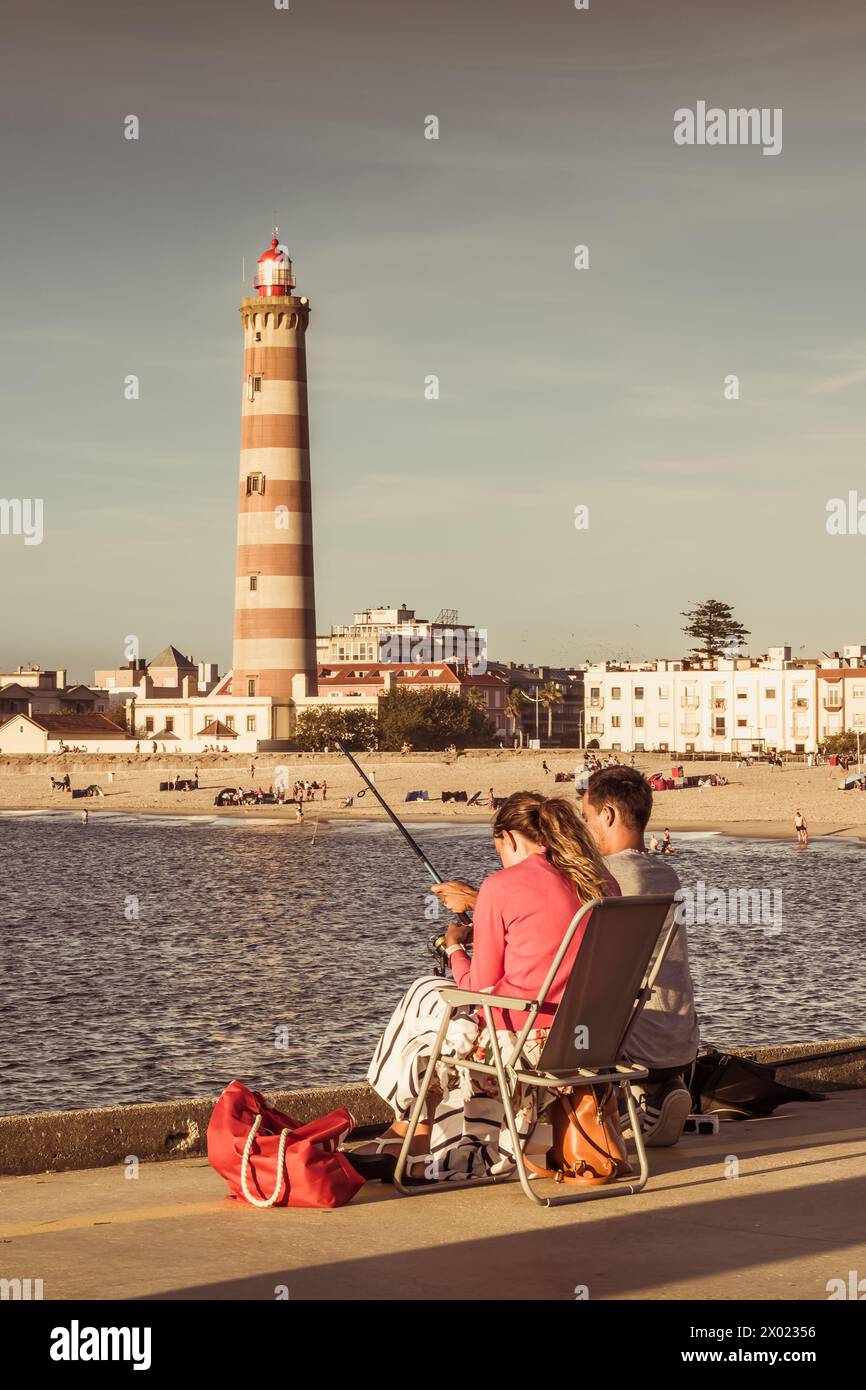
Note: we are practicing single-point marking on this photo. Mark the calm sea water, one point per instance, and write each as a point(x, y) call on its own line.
point(249, 935)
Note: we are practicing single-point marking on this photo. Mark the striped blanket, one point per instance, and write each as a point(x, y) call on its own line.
point(469, 1136)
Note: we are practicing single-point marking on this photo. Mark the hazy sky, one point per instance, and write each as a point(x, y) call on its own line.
point(559, 387)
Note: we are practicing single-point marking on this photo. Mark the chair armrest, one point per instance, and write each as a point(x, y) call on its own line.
point(452, 995)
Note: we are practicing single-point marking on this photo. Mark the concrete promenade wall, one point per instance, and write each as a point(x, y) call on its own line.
point(61, 1140)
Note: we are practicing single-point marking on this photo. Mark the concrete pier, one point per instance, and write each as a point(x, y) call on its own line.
point(766, 1209)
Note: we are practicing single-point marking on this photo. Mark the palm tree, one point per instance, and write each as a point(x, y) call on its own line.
point(550, 695)
point(514, 708)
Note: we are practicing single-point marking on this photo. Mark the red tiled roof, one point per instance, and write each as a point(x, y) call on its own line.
point(80, 725)
point(374, 673)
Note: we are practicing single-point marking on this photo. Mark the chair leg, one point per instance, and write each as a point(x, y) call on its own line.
point(637, 1133)
point(418, 1108)
point(507, 1106)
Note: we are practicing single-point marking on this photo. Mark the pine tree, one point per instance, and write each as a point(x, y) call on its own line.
point(713, 628)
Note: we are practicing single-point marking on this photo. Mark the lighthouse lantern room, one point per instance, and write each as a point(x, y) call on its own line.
point(274, 275)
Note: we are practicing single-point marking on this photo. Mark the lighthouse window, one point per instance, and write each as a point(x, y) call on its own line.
point(255, 483)
point(254, 384)
point(251, 688)
point(254, 582)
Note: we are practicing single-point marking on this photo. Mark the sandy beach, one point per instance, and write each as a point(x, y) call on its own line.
point(759, 800)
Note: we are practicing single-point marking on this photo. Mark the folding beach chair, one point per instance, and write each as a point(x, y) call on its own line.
point(611, 980)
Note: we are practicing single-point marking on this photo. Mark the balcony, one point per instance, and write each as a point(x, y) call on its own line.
point(832, 706)
point(690, 730)
point(689, 702)
point(720, 704)
point(799, 704)
point(597, 702)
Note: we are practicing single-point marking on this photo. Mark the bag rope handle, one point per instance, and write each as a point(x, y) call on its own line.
point(281, 1169)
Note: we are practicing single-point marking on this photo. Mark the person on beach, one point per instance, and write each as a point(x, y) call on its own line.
point(491, 800)
point(667, 845)
point(85, 816)
point(654, 841)
point(299, 812)
point(324, 791)
point(550, 868)
point(617, 805)
point(800, 828)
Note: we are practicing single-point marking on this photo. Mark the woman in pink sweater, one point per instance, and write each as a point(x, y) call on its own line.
point(550, 868)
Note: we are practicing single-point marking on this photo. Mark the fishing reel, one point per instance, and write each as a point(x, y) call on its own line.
point(436, 947)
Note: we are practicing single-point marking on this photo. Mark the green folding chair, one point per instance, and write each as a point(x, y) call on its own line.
point(612, 977)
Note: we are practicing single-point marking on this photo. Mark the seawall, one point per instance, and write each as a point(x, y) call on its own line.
point(63, 1140)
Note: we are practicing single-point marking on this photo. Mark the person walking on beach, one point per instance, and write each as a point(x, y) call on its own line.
point(491, 800)
point(85, 816)
point(324, 791)
point(800, 828)
point(299, 813)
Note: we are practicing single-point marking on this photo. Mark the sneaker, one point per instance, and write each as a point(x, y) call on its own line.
point(663, 1112)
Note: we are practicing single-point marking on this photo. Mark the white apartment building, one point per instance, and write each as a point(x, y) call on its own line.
point(723, 706)
point(399, 635)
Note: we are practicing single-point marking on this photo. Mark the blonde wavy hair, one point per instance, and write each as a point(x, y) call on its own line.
point(553, 822)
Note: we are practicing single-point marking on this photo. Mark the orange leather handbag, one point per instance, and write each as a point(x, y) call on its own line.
point(588, 1145)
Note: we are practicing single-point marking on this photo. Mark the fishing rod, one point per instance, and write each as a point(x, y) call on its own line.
point(436, 945)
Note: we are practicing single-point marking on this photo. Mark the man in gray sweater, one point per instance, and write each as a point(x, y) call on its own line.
point(616, 806)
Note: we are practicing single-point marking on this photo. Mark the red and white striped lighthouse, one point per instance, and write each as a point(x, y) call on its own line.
point(275, 610)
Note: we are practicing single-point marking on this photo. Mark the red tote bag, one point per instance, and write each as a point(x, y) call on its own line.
point(269, 1160)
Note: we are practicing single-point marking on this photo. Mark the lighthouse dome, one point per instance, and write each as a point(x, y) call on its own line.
point(274, 273)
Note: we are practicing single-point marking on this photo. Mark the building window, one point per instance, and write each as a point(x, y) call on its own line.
point(742, 723)
point(616, 692)
point(719, 728)
point(858, 692)
point(251, 723)
point(169, 724)
point(615, 722)
point(638, 692)
point(254, 583)
point(742, 694)
point(664, 692)
point(148, 724)
point(770, 693)
point(251, 688)
point(229, 721)
point(638, 723)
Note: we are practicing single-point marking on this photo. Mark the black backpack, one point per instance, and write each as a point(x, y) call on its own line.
point(738, 1088)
